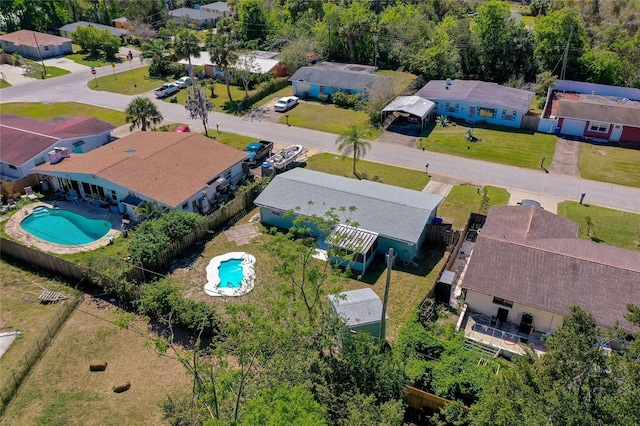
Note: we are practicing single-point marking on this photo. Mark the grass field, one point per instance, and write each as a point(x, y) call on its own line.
point(62, 391)
point(328, 118)
point(613, 227)
point(4, 84)
point(52, 72)
point(378, 172)
point(48, 111)
point(22, 311)
point(610, 164)
point(123, 82)
point(84, 58)
point(220, 98)
point(465, 199)
point(513, 147)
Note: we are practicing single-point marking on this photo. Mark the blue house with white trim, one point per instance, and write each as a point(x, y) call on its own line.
point(331, 77)
point(478, 101)
point(398, 216)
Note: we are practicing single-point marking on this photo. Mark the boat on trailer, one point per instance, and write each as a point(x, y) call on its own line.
point(283, 159)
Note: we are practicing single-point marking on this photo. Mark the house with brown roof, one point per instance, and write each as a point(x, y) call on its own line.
point(185, 171)
point(595, 112)
point(27, 143)
point(528, 267)
point(35, 45)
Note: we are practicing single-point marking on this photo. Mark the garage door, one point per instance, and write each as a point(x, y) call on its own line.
point(572, 127)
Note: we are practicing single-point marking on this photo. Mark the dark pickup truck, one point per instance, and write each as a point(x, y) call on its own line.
point(258, 151)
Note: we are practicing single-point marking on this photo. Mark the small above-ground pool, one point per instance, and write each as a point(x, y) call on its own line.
point(64, 227)
point(232, 274)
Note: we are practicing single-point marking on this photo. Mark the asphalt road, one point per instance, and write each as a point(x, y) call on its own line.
point(73, 88)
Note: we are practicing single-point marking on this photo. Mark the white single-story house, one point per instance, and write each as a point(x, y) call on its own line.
point(361, 310)
point(27, 143)
point(528, 267)
point(332, 77)
point(35, 45)
point(399, 217)
point(69, 29)
point(478, 101)
point(258, 61)
point(185, 171)
point(199, 17)
point(595, 111)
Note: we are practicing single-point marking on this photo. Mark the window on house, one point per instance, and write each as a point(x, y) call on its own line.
point(472, 112)
point(227, 174)
point(487, 112)
point(598, 126)
point(113, 195)
point(275, 212)
point(508, 115)
point(452, 108)
point(11, 166)
point(40, 161)
point(503, 302)
point(321, 89)
point(185, 206)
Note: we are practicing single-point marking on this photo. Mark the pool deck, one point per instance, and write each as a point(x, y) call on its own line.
point(14, 230)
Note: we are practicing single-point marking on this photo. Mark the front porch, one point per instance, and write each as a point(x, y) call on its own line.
point(501, 335)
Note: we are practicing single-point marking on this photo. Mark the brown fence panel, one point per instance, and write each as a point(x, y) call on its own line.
point(14, 188)
point(418, 399)
point(530, 122)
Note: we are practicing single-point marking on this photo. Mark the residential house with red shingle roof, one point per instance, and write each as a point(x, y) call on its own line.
point(27, 143)
point(35, 45)
point(529, 265)
point(185, 171)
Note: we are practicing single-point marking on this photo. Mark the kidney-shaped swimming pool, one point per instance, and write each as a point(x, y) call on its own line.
point(64, 227)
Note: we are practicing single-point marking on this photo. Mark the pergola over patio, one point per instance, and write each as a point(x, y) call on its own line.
point(415, 106)
point(351, 240)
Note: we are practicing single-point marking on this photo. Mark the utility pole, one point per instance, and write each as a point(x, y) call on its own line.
point(383, 322)
point(44, 69)
point(566, 55)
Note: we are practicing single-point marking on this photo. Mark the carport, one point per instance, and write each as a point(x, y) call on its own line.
point(415, 106)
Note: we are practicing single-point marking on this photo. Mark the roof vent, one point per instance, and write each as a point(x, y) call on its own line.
point(447, 84)
point(129, 150)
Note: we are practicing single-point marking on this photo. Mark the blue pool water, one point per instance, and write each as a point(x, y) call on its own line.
point(230, 272)
point(64, 227)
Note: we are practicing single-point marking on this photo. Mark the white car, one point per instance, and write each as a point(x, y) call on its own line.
point(286, 103)
point(184, 82)
point(167, 89)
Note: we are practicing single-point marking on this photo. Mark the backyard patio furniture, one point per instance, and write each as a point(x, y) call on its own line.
point(28, 191)
point(11, 203)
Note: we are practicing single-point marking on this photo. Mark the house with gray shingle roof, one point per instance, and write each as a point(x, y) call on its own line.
point(528, 263)
point(478, 101)
point(361, 310)
point(398, 216)
point(69, 29)
point(199, 17)
point(331, 77)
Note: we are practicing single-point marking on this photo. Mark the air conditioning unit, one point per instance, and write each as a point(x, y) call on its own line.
point(58, 154)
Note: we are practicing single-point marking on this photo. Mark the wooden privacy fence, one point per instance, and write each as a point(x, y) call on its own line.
point(530, 122)
point(14, 188)
point(418, 399)
point(11, 380)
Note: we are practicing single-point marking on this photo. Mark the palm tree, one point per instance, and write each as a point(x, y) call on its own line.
point(351, 142)
point(142, 112)
point(186, 45)
point(156, 49)
point(221, 52)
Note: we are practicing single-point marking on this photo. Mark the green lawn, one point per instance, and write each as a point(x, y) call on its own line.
point(52, 72)
point(287, 91)
point(610, 164)
point(220, 95)
point(123, 82)
point(529, 21)
point(84, 58)
point(514, 147)
point(328, 118)
point(613, 227)
point(4, 83)
point(236, 141)
point(47, 111)
point(378, 172)
point(466, 199)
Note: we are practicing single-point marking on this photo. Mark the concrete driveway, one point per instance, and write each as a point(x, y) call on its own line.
point(65, 64)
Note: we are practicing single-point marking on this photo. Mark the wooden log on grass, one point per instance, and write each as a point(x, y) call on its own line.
point(98, 366)
point(122, 388)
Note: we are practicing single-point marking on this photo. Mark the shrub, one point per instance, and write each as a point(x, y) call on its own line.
point(345, 100)
point(324, 98)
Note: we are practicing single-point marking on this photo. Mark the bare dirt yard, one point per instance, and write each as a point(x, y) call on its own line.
point(62, 390)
